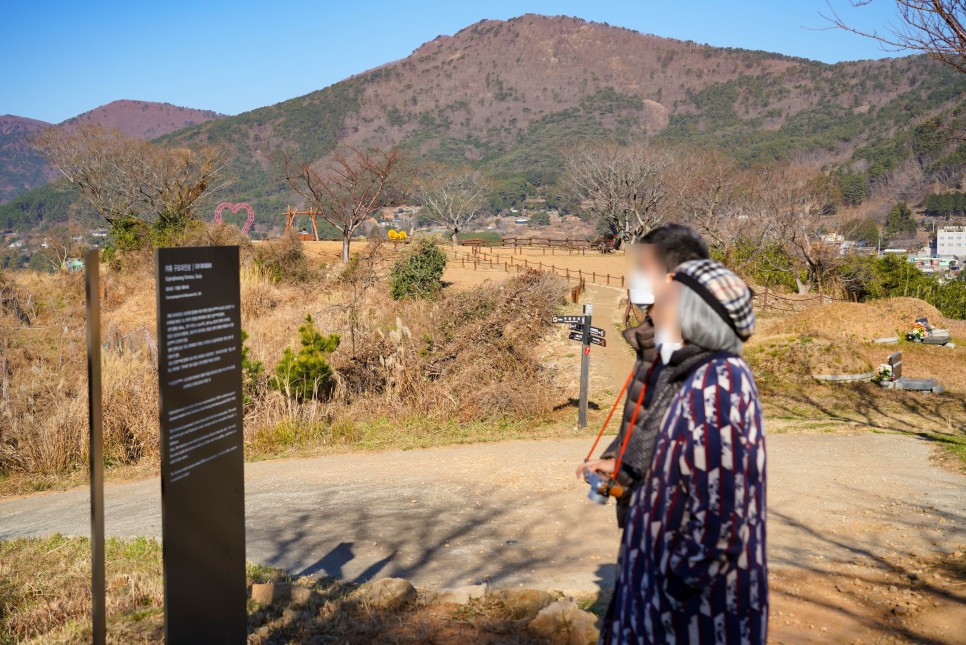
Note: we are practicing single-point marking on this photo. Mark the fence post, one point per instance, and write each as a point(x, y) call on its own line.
point(568, 273)
point(593, 279)
point(622, 282)
point(608, 279)
point(506, 266)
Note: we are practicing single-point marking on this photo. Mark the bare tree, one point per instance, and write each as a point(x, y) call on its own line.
point(451, 198)
point(936, 28)
point(123, 177)
point(348, 188)
point(626, 187)
point(60, 244)
point(791, 216)
point(715, 196)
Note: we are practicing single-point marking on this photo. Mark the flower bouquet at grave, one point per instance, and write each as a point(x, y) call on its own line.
point(918, 332)
point(883, 374)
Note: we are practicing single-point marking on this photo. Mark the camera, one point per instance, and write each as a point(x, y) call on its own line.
point(601, 488)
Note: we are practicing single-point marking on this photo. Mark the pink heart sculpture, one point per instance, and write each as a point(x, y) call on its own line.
point(234, 208)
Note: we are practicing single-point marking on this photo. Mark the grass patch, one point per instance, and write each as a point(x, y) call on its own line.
point(952, 445)
point(45, 597)
point(387, 433)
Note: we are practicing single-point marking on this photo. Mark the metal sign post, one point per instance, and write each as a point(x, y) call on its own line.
point(582, 330)
point(96, 449)
point(584, 366)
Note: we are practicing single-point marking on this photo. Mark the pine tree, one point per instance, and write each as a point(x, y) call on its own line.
point(306, 374)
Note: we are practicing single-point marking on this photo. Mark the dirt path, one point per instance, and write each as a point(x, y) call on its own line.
point(512, 512)
point(851, 517)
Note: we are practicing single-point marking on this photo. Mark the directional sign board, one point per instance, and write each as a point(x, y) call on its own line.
point(202, 465)
point(594, 331)
point(576, 335)
point(566, 320)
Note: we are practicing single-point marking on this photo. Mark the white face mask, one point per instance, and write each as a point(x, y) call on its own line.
point(641, 291)
point(665, 345)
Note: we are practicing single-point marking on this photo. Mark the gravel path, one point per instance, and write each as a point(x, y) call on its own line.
point(512, 513)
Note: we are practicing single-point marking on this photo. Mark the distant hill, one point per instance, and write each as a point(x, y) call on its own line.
point(509, 96)
point(143, 119)
point(21, 168)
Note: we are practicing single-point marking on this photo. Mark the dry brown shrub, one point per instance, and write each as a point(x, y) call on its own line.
point(468, 356)
point(284, 259)
point(220, 234)
point(130, 415)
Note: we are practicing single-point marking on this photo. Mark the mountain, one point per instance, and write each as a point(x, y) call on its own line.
point(143, 119)
point(21, 168)
point(509, 96)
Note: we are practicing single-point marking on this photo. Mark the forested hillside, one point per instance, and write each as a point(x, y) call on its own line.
point(21, 168)
point(510, 96)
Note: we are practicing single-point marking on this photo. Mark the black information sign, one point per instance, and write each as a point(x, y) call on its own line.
point(567, 319)
point(202, 465)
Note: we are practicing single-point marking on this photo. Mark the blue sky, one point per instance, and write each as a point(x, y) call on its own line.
point(59, 58)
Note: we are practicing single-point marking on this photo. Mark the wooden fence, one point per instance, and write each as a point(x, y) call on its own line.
point(544, 243)
point(480, 259)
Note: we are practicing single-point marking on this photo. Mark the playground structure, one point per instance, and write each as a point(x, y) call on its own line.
point(291, 214)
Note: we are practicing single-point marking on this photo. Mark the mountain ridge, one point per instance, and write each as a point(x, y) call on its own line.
point(508, 96)
point(22, 169)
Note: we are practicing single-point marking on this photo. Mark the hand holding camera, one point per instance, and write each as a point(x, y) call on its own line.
point(602, 486)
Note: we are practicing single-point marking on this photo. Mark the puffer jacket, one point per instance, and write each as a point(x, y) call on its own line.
point(662, 383)
point(641, 339)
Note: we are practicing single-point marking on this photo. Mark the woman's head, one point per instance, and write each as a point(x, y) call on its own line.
point(712, 306)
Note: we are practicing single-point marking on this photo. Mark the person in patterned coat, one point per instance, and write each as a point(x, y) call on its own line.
point(655, 258)
point(694, 568)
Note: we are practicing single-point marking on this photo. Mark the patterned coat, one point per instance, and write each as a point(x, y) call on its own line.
point(694, 569)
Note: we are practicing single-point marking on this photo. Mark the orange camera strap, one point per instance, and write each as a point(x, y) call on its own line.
point(600, 434)
point(630, 426)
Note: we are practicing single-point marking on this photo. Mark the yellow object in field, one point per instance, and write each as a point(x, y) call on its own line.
point(393, 235)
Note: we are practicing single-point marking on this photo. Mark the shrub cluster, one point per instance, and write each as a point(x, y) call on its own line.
point(418, 273)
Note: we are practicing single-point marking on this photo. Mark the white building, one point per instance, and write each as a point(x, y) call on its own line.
point(951, 241)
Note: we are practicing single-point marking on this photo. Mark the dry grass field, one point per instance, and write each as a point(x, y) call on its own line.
point(510, 375)
point(42, 419)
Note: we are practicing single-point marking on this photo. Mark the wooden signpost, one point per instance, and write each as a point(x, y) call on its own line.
point(202, 465)
point(582, 331)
